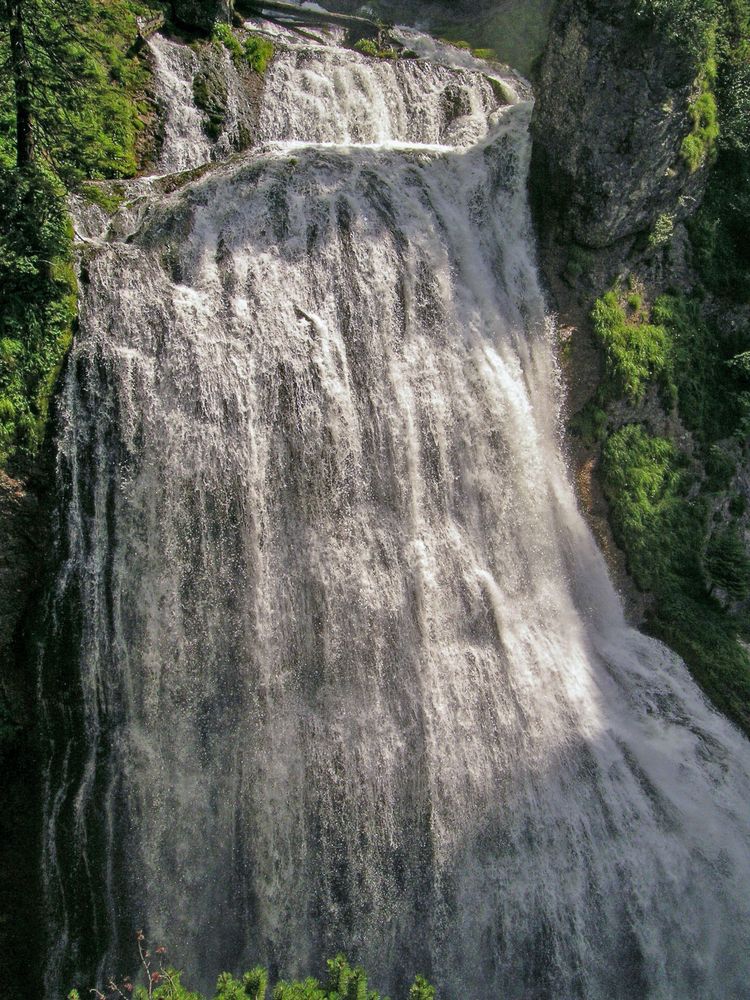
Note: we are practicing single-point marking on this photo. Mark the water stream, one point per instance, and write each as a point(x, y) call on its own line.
point(333, 661)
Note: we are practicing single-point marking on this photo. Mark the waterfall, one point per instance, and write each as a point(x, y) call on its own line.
point(333, 662)
point(184, 141)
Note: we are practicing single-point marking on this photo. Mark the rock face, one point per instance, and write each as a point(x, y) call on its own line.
point(23, 541)
point(19, 557)
point(612, 111)
point(202, 14)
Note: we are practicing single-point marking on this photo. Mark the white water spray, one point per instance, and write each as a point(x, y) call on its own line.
point(352, 673)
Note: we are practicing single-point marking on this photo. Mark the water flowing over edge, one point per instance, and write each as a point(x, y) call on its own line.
point(351, 670)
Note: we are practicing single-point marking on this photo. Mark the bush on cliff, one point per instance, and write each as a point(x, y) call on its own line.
point(673, 506)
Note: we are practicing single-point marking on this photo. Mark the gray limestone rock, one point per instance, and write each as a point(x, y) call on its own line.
point(611, 114)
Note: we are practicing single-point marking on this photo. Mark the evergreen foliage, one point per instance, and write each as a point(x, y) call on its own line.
point(88, 105)
point(720, 228)
point(661, 523)
point(86, 114)
point(37, 305)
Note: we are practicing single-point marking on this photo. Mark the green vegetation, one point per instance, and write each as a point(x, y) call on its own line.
point(706, 369)
point(73, 109)
point(89, 112)
point(674, 511)
point(719, 231)
point(700, 142)
point(342, 982)
point(579, 263)
point(676, 508)
point(255, 51)
point(258, 53)
point(662, 525)
point(635, 353)
point(369, 47)
point(662, 232)
point(688, 24)
point(37, 306)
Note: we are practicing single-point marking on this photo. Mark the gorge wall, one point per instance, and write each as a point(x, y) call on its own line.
point(613, 109)
point(636, 113)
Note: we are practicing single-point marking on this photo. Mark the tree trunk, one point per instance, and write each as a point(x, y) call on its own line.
point(21, 72)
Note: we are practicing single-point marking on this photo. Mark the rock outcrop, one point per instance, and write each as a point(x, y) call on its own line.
point(202, 14)
point(613, 108)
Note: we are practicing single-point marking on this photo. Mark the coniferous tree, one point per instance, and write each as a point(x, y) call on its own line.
point(71, 85)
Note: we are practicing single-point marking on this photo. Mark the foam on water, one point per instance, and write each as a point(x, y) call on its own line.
point(349, 670)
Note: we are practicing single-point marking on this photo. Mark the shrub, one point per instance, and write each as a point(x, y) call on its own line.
point(661, 523)
point(727, 563)
point(662, 232)
point(661, 528)
point(708, 401)
point(162, 982)
point(636, 353)
point(367, 47)
point(90, 104)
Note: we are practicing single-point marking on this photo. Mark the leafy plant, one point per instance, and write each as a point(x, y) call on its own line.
point(88, 109)
point(222, 34)
point(255, 52)
point(636, 353)
point(728, 564)
point(662, 232)
point(160, 981)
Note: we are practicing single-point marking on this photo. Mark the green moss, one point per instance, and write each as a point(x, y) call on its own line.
point(368, 47)
point(108, 198)
point(255, 52)
point(699, 144)
point(222, 34)
point(258, 53)
point(636, 353)
point(487, 54)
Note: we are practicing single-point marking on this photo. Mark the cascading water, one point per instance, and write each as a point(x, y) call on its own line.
point(350, 672)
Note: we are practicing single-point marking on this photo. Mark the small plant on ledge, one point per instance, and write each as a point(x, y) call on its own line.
point(160, 981)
